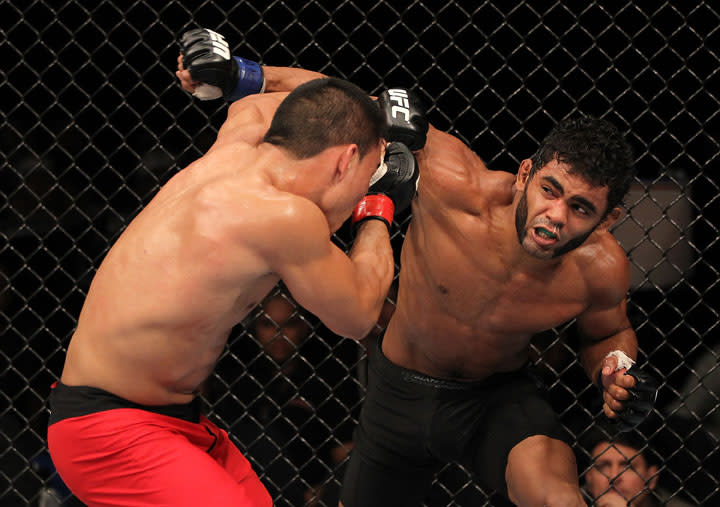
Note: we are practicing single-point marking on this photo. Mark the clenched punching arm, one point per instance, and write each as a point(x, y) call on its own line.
point(207, 57)
point(206, 60)
point(207, 69)
point(394, 184)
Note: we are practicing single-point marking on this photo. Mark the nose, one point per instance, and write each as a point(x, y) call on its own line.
point(557, 213)
point(616, 475)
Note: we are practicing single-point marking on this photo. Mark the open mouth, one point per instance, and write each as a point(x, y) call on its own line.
point(544, 236)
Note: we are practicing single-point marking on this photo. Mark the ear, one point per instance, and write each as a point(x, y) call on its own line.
point(523, 174)
point(610, 219)
point(653, 473)
point(345, 161)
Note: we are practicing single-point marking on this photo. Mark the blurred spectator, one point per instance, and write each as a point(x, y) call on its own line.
point(347, 378)
point(294, 403)
point(624, 471)
point(266, 408)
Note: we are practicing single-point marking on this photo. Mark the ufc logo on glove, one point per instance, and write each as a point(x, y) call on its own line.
point(219, 45)
point(399, 96)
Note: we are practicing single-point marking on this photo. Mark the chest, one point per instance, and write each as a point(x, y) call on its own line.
point(467, 276)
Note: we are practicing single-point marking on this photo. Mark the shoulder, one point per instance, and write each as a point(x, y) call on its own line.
point(258, 104)
point(604, 266)
point(446, 156)
point(248, 119)
point(453, 172)
point(275, 226)
point(289, 225)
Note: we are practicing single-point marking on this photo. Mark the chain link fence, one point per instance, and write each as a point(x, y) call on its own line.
point(93, 122)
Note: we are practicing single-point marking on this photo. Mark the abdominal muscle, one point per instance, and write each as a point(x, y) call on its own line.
point(438, 346)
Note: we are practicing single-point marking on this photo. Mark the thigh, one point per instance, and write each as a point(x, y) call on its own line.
point(515, 412)
point(138, 460)
point(369, 484)
point(185, 474)
point(226, 454)
point(390, 463)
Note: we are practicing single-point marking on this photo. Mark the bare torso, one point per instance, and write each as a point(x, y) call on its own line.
point(464, 309)
point(161, 306)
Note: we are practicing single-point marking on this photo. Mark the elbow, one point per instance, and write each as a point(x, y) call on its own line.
point(356, 330)
point(358, 326)
point(366, 312)
point(361, 332)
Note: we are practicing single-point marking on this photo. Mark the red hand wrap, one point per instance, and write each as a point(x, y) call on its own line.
point(374, 206)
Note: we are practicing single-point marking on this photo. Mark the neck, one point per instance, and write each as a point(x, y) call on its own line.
point(283, 172)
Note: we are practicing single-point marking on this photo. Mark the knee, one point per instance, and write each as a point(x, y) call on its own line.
point(567, 496)
point(549, 495)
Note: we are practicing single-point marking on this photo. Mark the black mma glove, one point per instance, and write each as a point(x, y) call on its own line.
point(405, 117)
point(206, 55)
point(642, 397)
point(392, 187)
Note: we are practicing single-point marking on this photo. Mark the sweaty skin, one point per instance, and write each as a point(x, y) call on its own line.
point(491, 259)
point(474, 289)
point(470, 296)
point(211, 244)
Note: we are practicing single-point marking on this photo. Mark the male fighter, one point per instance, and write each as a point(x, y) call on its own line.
point(490, 259)
point(260, 206)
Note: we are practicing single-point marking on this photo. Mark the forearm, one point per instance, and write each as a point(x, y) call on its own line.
point(372, 256)
point(592, 353)
point(285, 79)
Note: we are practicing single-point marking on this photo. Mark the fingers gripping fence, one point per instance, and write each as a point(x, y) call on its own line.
point(93, 122)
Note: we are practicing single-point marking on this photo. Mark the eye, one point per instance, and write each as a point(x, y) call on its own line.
point(546, 190)
point(580, 210)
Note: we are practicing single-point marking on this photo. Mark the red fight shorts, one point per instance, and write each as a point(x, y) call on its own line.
point(119, 453)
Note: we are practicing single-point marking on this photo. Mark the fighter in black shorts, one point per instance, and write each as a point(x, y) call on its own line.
point(490, 259)
point(412, 424)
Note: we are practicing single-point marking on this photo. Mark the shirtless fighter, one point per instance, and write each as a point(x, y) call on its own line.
point(260, 206)
point(490, 259)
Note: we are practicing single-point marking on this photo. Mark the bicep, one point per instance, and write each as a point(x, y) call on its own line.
point(320, 276)
point(608, 279)
point(451, 173)
point(324, 283)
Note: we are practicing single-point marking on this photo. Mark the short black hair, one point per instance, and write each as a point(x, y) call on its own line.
point(594, 149)
point(323, 113)
point(633, 439)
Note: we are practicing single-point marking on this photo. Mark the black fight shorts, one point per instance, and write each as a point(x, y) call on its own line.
point(412, 424)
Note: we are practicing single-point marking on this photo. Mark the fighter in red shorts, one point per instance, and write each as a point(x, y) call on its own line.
point(285, 172)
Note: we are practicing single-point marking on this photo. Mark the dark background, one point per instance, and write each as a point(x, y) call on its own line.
point(93, 122)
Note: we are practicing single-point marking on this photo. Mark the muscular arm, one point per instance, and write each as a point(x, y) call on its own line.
point(603, 331)
point(286, 79)
point(604, 327)
point(277, 79)
point(345, 292)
